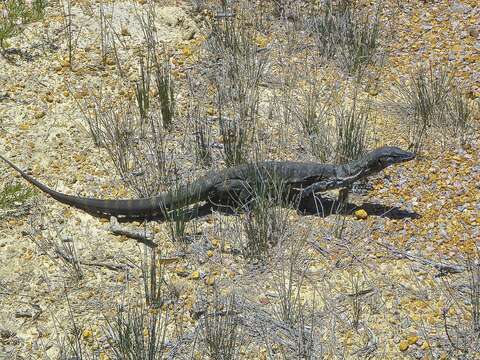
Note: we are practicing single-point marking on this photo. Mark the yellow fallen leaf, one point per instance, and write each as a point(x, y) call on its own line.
point(403, 346)
point(87, 334)
point(361, 214)
point(412, 339)
point(187, 51)
point(261, 41)
point(425, 345)
point(195, 275)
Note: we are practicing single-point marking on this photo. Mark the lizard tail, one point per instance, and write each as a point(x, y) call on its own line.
point(137, 208)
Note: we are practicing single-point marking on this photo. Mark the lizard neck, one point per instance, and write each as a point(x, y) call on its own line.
point(353, 171)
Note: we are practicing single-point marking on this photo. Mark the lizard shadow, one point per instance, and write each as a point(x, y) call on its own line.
point(322, 207)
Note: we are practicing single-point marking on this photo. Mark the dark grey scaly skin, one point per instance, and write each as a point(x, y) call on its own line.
point(232, 185)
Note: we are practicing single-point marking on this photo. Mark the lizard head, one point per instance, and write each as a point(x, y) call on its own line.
point(385, 156)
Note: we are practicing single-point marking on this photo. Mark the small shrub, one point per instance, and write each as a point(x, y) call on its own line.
point(235, 142)
point(356, 301)
point(142, 91)
point(198, 120)
point(158, 70)
point(430, 102)
point(136, 146)
point(203, 142)
point(16, 13)
point(288, 283)
point(473, 267)
point(14, 193)
point(68, 25)
point(65, 249)
point(221, 329)
point(178, 223)
point(312, 113)
point(347, 34)
point(341, 140)
point(70, 342)
point(292, 309)
point(237, 68)
point(52, 241)
point(426, 97)
point(303, 101)
point(153, 277)
point(360, 42)
point(461, 315)
point(351, 129)
point(137, 333)
point(265, 221)
point(165, 90)
point(179, 217)
point(459, 116)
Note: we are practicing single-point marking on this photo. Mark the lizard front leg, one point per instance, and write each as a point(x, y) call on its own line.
point(319, 186)
point(326, 185)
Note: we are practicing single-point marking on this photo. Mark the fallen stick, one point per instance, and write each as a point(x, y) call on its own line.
point(442, 268)
point(142, 236)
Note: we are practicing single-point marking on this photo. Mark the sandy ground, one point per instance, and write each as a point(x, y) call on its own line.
point(42, 129)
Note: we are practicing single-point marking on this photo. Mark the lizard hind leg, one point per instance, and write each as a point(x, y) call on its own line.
point(231, 196)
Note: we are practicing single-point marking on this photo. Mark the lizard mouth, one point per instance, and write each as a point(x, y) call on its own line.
point(408, 156)
point(397, 158)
